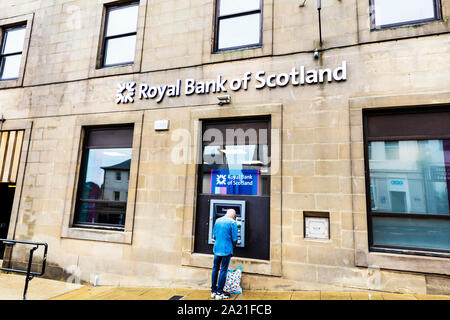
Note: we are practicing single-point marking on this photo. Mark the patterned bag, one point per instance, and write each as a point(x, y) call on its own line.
point(233, 282)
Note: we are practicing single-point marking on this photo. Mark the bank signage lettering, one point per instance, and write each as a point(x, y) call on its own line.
point(129, 91)
point(242, 182)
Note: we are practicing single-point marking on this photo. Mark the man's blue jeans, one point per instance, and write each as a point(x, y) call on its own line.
point(220, 262)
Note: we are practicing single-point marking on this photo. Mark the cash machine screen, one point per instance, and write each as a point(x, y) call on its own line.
point(218, 208)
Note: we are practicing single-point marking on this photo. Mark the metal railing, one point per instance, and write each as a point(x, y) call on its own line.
point(29, 274)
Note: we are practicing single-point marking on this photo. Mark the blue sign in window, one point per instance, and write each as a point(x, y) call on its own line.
point(242, 182)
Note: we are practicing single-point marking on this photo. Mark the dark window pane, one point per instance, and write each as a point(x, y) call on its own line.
point(105, 138)
point(411, 233)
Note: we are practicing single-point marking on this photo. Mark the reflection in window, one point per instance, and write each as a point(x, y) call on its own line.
point(120, 34)
point(391, 149)
point(102, 197)
point(388, 13)
point(238, 24)
point(11, 52)
point(414, 182)
point(236, 159)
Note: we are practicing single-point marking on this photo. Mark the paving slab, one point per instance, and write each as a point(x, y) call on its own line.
point(334, 295)
point(85, 293)
point(366, 296)
point(431, 297)
point(199, 295)
point(12, 286)
point(251, 295)
point(278, 295)
point(398, 296)
point(305, 295)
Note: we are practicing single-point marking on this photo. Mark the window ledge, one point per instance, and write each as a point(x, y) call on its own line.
point(402, 262)
point(254, 266)
point(236, 49)
point(97, 235)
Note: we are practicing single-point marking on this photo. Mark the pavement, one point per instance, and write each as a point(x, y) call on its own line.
point(11, 288)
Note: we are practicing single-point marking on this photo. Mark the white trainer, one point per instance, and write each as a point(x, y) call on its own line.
point(219, 296)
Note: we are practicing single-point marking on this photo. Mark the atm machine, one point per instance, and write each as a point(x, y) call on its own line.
point(218, 208)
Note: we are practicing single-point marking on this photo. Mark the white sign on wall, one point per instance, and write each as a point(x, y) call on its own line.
point(129, 91)
point(317, 228)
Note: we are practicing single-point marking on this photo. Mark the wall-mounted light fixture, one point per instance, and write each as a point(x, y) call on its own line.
point(225, 99)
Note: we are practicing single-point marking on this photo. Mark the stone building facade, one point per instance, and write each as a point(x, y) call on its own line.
point(326, 104)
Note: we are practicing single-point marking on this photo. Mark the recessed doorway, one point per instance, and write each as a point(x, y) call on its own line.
point(6, 199)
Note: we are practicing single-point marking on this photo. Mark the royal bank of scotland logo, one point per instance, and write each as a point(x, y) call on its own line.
point(126, 92)
point(221, 179)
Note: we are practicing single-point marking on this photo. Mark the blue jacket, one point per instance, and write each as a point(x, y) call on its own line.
point(225, 234)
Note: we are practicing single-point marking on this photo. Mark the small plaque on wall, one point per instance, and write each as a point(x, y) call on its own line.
point(317, 225)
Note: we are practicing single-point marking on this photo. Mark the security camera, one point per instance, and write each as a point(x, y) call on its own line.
point(225, 99)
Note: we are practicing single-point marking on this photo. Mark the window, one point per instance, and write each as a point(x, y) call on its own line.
point(389, 13)
point(118, 175)
point(11, 52)
point(235, 159)
point(120, 35)
point(238, 24)
point(106, 151)
point(409, 181)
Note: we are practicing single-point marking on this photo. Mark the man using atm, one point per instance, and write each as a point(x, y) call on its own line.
point(225, 234)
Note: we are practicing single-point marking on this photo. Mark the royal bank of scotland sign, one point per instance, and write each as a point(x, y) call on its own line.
point(127, 92)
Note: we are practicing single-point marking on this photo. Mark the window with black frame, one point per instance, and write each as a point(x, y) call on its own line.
point(119, 39)
point(11, 52)
point(102, 198)
point(408, 188)
point(238, 24)
point(392, 13)
point(236, 158)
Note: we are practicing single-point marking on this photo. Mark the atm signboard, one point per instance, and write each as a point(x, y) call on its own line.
point(235, 182)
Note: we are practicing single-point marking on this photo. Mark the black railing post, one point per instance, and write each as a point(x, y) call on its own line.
point(28, 277)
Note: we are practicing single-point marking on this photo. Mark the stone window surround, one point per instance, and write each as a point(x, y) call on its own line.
point(366, 33)
point(364, 257)
point(10, 22)
point(96, 69)
point(189, 257)
point(125, 236)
